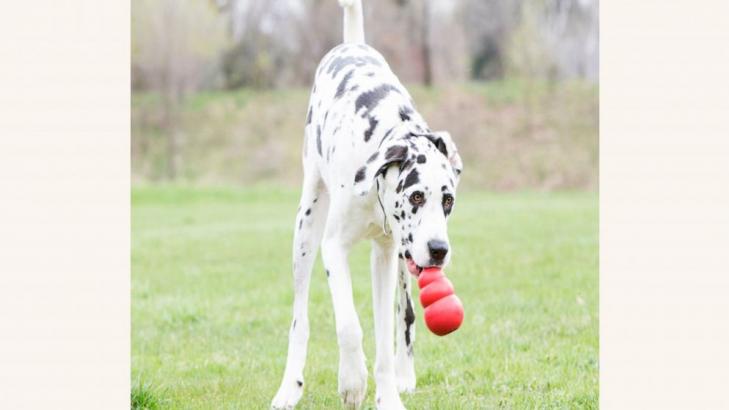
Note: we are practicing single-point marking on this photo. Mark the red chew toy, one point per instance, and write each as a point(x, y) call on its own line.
point(435, 291)
point(443, 309)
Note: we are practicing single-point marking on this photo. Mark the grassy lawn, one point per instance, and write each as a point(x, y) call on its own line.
point(212, 293)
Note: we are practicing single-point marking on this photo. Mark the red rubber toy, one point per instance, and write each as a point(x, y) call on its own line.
point(443, 309)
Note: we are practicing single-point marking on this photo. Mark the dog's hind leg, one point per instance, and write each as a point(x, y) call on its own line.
point(404, 360)
point(310, 219)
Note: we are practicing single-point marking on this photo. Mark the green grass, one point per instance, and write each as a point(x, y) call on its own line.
point(212, 293)
point(146, 397)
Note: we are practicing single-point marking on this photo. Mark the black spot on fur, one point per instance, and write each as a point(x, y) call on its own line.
point(293, 326)
point(360, 175)
point(405, 165)
point(410, 237)
point(327, 271)
point(300, 383)
point(371, 129)
point(443, 188)
point(340, 62)
point(308, 116)
point(318, 139)
point(301, 221)
point(439, 143)
point(303, 253)
point(397, 218)
point(308, 212)
point(373, 157)
point(412, 178)
point(399, 187)
point(396, 152)
point(370, 99)
point(405, 113)
point(402, 214)
point(343, 84)
point(421, 159)
point(409, 318)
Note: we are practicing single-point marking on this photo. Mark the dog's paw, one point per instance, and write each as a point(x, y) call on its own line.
point(406, 384)
point(405, 377)
point(352, 381)
point(389, 400)
point(288, 394)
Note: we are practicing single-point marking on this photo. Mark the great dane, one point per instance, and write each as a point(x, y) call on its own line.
point(373, 169)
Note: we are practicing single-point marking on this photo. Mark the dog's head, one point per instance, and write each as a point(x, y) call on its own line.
point(416, 177)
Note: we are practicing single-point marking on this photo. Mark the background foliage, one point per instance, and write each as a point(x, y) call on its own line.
point(220, 87)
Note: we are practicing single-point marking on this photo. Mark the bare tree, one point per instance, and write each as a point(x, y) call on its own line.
point(174, 49)
point(425, 45)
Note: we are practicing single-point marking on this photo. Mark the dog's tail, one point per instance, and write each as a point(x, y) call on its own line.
point(353, 21)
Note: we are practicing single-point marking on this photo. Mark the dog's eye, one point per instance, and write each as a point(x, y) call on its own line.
point(417, 198)
point(447, 202)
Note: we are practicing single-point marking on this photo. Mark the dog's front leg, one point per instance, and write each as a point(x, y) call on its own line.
point(404, 360)
point(384, 277)
point(352, 367)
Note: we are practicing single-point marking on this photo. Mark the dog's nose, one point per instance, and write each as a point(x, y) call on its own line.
point(438, 249)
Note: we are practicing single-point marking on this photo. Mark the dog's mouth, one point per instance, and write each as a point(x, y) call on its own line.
point(414, 268)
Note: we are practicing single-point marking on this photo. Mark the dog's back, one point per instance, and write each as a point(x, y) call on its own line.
point(356, 102)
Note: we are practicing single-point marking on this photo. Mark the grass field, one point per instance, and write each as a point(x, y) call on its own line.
point(212, 293)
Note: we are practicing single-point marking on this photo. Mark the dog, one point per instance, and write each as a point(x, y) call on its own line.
point(373, 169)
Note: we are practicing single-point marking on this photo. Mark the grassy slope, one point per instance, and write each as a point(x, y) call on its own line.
point(521, 135)
point(211, 303)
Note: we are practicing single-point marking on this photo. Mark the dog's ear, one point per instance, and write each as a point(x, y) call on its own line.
point(388, 154)
point(443, 141)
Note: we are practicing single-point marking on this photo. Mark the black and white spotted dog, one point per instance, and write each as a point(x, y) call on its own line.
point(372, 170)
